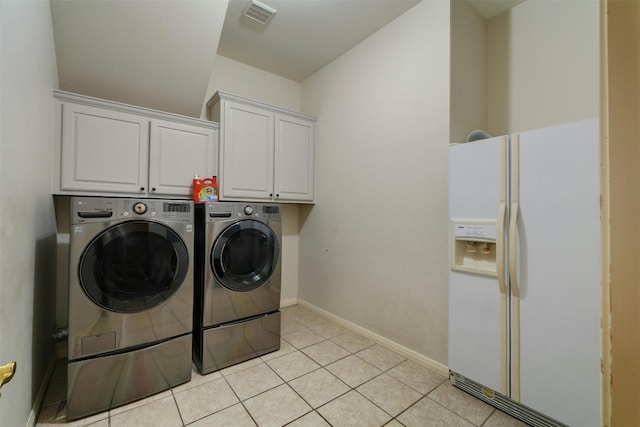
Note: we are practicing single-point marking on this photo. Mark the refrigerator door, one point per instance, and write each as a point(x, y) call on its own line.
point(477, 308)
point(558, 273)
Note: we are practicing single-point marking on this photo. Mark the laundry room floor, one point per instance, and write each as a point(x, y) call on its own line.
point(323, 375)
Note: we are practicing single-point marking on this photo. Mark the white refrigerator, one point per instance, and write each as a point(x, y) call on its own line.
point(525, 273)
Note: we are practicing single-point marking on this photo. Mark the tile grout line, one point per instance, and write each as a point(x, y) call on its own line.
point(294, 322)
point(351, 388)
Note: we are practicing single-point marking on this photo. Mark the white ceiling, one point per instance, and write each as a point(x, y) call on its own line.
point(159, 53)
point(304, 35)
point(155, 54)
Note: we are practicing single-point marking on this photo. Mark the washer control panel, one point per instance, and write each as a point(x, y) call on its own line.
point(140, 208)
point(101, 209)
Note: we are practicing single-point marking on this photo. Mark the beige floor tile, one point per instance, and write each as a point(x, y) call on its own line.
point(380, 357)
point(416, 376)
point(325, 352)
point(389, 394)
point(205, 399)
point(240, 366)
point(353, 370)
point(428, 413)
point(276, 407)
point(48, 414)
point(302, 338)
point(322, 362)
point(463, 404)
point(235, 416)
point(312, 419)
point(159, 413)
point(352, 342)
point(196, 379)
point(101, 423)
point(500, 419)
point(285, 348)
point(251, 381)
point(352, 409)
point(291, 326)
point(304, 315)
point(327, 329)
point(141, 402)
point(293, 365)
point(319, 387)
point(47, 418)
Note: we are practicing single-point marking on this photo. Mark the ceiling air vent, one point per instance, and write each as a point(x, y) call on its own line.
point(259, 12)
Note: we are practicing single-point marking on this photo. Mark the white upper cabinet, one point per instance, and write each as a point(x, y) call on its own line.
point(106, 148)
point(294, 158)
point(103, 150)
point(177, 152)
point(247, 152)
point(267, 153)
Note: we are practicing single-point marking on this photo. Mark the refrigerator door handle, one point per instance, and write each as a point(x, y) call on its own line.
point(500, 252)
point(513, 264)
point(501, 242)
point(513, 220)
point(502, 283)
point(513, 248)
point(515, 302)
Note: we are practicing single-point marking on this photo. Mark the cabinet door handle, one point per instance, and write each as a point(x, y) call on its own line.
point(270, 194)
point(277, 195)
point(153, 188)
point(141, 188)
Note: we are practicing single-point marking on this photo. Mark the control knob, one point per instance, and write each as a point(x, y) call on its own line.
point(248, 210)
point(139, 208)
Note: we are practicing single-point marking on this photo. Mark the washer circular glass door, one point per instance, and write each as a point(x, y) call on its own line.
point(133, 266)
point(244, 255)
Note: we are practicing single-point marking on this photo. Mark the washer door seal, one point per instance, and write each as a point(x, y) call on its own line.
point(133, 266)
point(245, 255)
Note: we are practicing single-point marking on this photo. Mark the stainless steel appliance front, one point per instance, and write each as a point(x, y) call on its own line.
point(130, 300)
point(238, 282)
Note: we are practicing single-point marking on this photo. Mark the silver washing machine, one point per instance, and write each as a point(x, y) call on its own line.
point(130, 300)
point(237, 283)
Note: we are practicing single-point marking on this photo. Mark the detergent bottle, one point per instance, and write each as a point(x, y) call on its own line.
point(205, 189)
point(195, 188)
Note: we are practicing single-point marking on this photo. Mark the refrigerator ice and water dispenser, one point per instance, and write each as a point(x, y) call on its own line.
point(473, 247)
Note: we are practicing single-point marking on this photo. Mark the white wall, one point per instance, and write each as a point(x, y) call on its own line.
point(240, 79)
point(373, 249)
point(468, 70)
point(543, 65)
point(243, 80)
point(27, 226)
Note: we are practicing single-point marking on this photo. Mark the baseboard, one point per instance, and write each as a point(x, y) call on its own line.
point(37, 405)
point(379, 339)
point(288, 302)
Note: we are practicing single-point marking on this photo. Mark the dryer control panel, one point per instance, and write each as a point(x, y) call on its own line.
point(221, 210)
point(271, 212)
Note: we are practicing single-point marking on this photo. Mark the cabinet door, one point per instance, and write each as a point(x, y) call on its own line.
point(294, 158)
point(179, 151)
point(247, 152)
point(103, 150)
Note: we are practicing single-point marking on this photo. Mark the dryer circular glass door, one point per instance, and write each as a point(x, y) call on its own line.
point(244, 255)
point(133, 266)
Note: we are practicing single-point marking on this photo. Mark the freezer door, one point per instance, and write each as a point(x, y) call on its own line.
point(558, 273)
point(477, 308)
